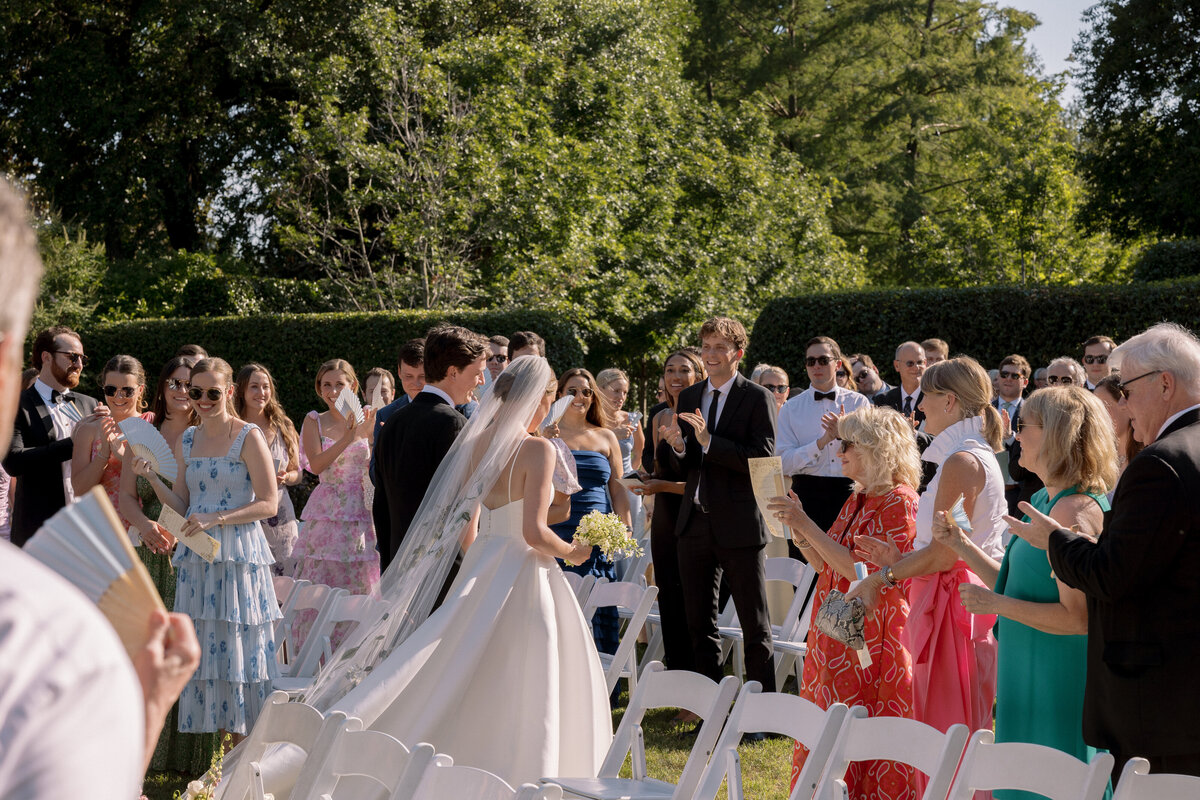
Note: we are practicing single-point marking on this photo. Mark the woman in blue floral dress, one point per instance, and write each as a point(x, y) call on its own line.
point(228, 485)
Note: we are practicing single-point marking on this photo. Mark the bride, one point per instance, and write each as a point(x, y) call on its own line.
point(504, 675)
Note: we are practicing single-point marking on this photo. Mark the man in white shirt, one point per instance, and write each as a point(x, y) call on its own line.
point(73, 720)
point(807, 441)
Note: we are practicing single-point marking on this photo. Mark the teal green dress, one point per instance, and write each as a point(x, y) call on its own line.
point(1039, 686)
point(189, 753)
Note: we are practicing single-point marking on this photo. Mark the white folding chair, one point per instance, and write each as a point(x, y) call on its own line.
point(910, 742)
point(658, 688)
point(784, 714)
point(312, 597)
point(342, 608)
point(284, 585)
point(581, 585)
point(279, 723)
point(794, 629)
point(444, 780)
point(1137, 784)
point(637, 599)
point(287, 592)
point(1029, 768)
point(358, 763)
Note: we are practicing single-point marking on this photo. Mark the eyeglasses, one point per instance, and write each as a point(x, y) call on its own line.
point(1095, 359)
point(576, 392)
point(846, 445)
point(176, 385)
point(911, 364)
point(841, 373)
point(862, 375)
point(1066, 380)
point(1023, 424)
point(499, 358)
point(73, 357)
point(213, 394)
point(776, 388)
point(123, 391)
point(812, 361)
point(1123, 385)
point(1011, 375)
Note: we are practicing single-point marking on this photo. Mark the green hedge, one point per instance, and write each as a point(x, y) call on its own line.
point(1168, 261)
point(292, 346)
point(987, 323)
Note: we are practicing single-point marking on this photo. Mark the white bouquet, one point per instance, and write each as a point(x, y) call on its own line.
point(609, 533)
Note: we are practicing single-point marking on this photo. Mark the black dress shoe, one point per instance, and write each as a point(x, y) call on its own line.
point(761, 736)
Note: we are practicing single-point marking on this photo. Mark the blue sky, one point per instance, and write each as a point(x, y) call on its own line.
point(1061, 23)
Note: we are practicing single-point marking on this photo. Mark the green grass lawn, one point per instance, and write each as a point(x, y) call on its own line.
point(766, 766)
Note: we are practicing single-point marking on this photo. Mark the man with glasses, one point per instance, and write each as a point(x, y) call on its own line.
point(497, 355)
point(1066, 371)
point(866, 376)
point(1141, 576)
point(906, 398)
point(1014, 377)
point(1096, 352)
point(808, 443)
point(40, 453)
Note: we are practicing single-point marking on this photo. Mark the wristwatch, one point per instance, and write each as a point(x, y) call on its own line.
point(889, 577)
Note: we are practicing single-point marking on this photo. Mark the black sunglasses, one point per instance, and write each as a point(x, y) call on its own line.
point(911, 364)
point(73, 357)
point(1066, 380)
point(862, 375)
point(1095, 359)
point(812, 361)
point(113, 391)
point(176, 385)
point(776, 388)
point(499, 358)
point(1011, 375)
point(841, 373)
point(213, 394)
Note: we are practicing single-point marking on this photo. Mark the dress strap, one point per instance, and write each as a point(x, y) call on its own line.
point(235, 449)
point(1100, 499)
point(185, 441)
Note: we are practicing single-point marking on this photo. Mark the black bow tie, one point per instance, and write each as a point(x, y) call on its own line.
point(825, 395)
point(66, 397)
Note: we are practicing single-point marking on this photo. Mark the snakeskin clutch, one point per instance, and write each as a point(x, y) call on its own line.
point(842, 620)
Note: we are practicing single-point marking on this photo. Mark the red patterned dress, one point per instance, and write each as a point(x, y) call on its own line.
point(832, 673)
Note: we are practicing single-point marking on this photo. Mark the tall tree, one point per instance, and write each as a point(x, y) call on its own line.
point(1140, 80)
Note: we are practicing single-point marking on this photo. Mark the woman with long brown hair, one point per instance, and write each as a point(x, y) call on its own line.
point(255, 400)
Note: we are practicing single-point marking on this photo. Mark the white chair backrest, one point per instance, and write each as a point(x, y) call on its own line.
point(278, 722)
point(614, 593)
point(1136, 784)
point(802, 577)
point(1029, 768)
point(639, 599)
point(914, 743)
point(342, 607)
point(662, 688)
point(786, 714)
point(287, 605)
point(284, 584)
point(443, 781)
point(581, 585)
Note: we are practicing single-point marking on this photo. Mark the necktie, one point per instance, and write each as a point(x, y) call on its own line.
point(907, 406)
point(825, 395)
point(711, 422)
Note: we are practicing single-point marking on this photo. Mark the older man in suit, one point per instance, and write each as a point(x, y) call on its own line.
point(723, 422)
point(1142, 577)
point(40, 453)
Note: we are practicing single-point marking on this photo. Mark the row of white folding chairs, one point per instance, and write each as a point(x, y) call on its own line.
point(633, 602)
point(341, 760)
point(836, 738)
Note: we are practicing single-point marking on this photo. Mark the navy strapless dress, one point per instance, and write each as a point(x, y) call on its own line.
point(594, 472)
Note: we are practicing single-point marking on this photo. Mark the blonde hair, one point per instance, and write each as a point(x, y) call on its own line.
point(611, 375)
point(342, 366)
point(1079, 447)
point(888, 450)
point(964, 378)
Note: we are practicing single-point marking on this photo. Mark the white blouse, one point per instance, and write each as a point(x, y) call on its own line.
point(987, 520)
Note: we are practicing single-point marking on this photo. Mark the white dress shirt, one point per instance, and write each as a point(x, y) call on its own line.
point(64, 427)
point(800, 427)
point(429, 387)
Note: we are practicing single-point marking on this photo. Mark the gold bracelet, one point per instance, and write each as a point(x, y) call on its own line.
point(805, 546)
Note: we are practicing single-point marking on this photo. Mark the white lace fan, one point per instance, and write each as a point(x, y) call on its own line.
point(146, 442)
point(348, 405)
point(87, 544)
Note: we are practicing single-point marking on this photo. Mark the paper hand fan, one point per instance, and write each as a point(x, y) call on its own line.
point(87, 545)
point(348, 406)
point(146, 442)
point(377, 394)
point(959, 514)
point(557, 410)
point(69, 410)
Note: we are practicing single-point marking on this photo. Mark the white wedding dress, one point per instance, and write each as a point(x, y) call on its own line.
point(504, 675)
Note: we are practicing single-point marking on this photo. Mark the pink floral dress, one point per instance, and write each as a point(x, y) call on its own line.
point(337, 541)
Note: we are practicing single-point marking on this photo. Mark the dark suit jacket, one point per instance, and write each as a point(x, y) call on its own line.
point(1142, 581)
point(411, 446)
point(35, 457)
point(745, 429)
point(892, 398)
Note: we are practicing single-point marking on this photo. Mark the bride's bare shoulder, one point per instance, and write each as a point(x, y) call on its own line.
point(536, 450)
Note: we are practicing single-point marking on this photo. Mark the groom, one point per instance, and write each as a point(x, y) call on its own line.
point(722, 423)
point(418, 436)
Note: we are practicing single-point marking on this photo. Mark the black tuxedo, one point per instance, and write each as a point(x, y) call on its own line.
point(1142, 581)
point(727, 533)
point(411, 447)
point(35, 458)
point(1027, 482)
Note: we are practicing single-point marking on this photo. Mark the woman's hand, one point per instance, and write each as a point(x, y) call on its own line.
point(867, 590)
point(580, 552)
point(876, 551)
point(788, 510)
point(977, 599)
point(199, 523)
point(650, 486)
point(367, 426)
point(947, 532)
point(142, 468)
point(549, 431)
point(351, 425)
point(158, 538)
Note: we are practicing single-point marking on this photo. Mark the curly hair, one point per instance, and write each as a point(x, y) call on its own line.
point(889, 450)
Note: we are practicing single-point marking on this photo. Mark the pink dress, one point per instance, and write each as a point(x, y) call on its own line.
point(337, 541)
point(110, 479)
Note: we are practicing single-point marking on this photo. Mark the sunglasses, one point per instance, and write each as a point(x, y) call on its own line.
point(1122, 386)
point(1065, 380)
point(176, 385)
point(574, 392)
point(73, 357)
point(862, 375)
point(1011, 375)
point(1095, 359)
point(776, 388)
point(824, 361)
point(123, 391)
point(846, 445)
point(911, 364)
point(213, 394)
point(499, 359)
point(1022, 425)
